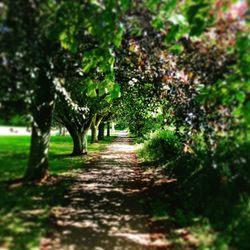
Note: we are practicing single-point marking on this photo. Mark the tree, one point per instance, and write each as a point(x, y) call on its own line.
point(49, 26)
point(77, 123)
point(94, 127)
point(27, 53)
point(101, 131)
point(76, 115)
point(171, 45)
point(94, 87)
point(176, 54)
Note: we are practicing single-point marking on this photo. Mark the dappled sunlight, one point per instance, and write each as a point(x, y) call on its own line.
point(106, 206)
point(153, 240)
point(24, 211)
point(122, 148)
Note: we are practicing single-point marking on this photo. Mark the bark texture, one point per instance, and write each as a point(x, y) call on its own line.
point(94, 137)
point(77, 127)
point(94, 128)
point(108, 128)
point(79, 143)
point(101, 131)
point(42, 117)
point(79, 137)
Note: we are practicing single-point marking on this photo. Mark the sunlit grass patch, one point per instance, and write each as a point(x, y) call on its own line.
point(203, 232)
point(24, 213)
point(182, 228)
point(14, 151)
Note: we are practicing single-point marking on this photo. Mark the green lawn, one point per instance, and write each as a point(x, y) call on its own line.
point(25, 210)
point(14, 152)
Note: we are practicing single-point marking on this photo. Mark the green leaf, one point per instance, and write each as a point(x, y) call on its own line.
point(240, 96)
point(152, 5)
point(64, 40)
point(87, 67)
point(125, 4)
point(90, 60)
point(104, 87)
point(119, 35)
point(177, 19)
point(116, 91)
point(73, 47)
point(170, 6)
point(172, 33)
point(177, 48)
point(158, 23)
point(198, 8)
point(246, 111)
point(92, 93)
point(102, 90)
point(68, 42)
point(91, 88)
point(198, 27)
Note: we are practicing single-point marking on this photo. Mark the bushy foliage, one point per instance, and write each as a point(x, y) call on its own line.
point(217, 187)
point(16, 120)
point(213, 185)
point(162, 145)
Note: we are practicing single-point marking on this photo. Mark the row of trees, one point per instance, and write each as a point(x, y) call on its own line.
point(82, 62)
point(48, 48)
point(194, 70)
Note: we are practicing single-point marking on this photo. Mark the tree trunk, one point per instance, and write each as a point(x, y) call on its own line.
point(79, 143)
point(108, 128)
point(101, 131)
point(78, 132)
point(85, 142)
point(62, 131)
point(113, 127)
point(97, 119)
point(42, 118)
point(94, 137)
point(79, 140)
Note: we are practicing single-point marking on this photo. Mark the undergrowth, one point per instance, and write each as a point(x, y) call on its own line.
point(212, 187)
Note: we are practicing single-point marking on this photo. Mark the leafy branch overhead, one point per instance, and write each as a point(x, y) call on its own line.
point(178, 63)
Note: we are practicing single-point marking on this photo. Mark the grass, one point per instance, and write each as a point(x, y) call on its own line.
point(14, 152)
point(25, 210)
point(201, 231)
point(25, 214)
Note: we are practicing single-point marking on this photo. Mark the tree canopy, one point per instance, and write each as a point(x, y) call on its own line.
point(162, 63)
point(173, 74)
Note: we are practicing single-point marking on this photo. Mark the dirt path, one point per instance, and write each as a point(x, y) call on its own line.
point(105, 208)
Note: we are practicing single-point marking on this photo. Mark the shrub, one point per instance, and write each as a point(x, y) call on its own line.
point(18, 120)
point(213, 186)
point(163, 145)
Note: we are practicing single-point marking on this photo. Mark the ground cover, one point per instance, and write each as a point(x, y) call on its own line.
point(14, 152)
point(25, 210)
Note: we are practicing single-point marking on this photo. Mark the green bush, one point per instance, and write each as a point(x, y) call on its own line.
point(18, 120)
point(162, 145)
point(233, 161)
point(216, 187)
point(15, 120)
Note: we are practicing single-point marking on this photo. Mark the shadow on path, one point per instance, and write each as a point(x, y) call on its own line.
point(106, 208)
